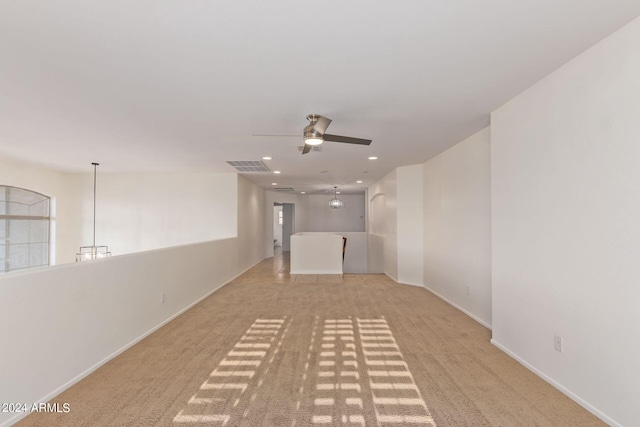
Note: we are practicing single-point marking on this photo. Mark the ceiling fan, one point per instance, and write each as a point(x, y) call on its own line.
point(314, 134)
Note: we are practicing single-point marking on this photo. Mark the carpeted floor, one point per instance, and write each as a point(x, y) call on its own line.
point(273, 349)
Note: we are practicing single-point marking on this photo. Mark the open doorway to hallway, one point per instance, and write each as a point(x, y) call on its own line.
point(283, 226)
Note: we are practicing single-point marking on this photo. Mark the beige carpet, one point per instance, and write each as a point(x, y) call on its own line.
point(271, 349)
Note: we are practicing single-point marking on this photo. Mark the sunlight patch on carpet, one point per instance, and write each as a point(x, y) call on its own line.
point(345, 371)
point(229, 380)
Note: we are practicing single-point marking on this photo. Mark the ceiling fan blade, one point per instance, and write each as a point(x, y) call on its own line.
point(347, 139)
point(306, 149)
point(322, 124)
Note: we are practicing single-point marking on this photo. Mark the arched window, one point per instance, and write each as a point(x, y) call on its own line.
point(24, 229)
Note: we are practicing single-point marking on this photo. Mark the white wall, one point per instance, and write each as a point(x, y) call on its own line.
point(288, 224)
point(355, 257)
point(382, 251)
point(316, 253)
point(50, 316)
point(431, 226)
point(410, 224)
point(318, 217)
point(277, 227)
point(457, 226)
point(376, 236)
point(566, 235)
point(138, 212)
point(135, 212)
point(250, 216)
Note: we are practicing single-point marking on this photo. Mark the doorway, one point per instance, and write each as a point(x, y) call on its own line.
point(278, 220)
point(283, 225)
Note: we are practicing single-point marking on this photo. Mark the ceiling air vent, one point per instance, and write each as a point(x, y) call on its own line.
point(313, 148)
point(249, 166)
point(283, 188)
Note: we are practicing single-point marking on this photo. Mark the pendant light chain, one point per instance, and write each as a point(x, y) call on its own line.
point(93, 252)
point(95, 166)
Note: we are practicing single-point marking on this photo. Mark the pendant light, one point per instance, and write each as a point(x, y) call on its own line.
point(335, 203)
point(93, 252)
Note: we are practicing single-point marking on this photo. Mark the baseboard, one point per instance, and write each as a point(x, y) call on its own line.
point(115, 354)
point(391, 277)
point(317, 272)
point(453, 304)
point(410, 284)
point(558, 386)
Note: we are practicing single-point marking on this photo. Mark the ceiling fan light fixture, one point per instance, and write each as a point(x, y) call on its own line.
point(313, 141)
point(313, 138)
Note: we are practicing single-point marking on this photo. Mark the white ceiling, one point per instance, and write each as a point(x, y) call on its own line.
point(159, 85)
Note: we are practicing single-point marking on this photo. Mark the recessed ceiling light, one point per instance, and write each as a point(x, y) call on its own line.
point(303, 192)
point(358, 182)
point(373, 158)
point(274, 183)
point(277, 172)
point(337, 192)
point(266, 158)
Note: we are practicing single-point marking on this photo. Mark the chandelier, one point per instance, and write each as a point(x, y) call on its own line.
point(93, 252)
point(335, 203)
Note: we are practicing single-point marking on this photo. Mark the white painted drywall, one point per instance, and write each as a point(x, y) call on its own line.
point(376, 236)
point(134, 212)
point(383, 233)
point(277, 227)
point(566, 234)
point(410, 219)
point(355, 256)
point(138, 212)
point(250, 223)
point(355, 259)
point(316, 253)
point(288, 224)
point(457, 225)
point(62, 322)
point(317, 216)
point(50, 316)
point(391, 225)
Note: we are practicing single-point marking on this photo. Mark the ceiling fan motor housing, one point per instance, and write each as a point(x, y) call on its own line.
point(313, 118)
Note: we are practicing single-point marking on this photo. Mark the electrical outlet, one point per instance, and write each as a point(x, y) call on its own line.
point(163, 298)
point(557, 343)
point(468, 290)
